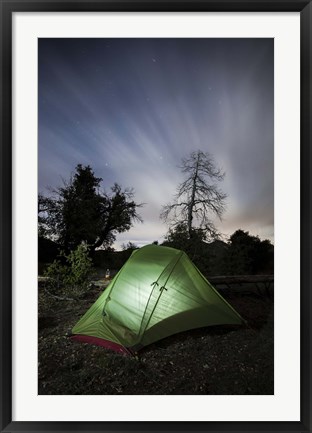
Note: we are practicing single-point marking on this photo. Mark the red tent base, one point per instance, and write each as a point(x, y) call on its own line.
point(101, 342)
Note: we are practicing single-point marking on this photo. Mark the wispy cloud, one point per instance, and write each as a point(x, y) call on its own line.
point(133, 108)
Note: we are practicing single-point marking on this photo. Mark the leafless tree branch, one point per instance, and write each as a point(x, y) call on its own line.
point(198, 196)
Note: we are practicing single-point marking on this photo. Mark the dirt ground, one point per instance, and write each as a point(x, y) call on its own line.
point(213, 360)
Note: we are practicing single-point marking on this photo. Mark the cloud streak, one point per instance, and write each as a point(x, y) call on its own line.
point(132, 108)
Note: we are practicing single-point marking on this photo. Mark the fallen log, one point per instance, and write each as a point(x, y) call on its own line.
point(260, 282)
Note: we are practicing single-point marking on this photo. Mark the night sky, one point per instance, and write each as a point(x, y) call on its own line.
point(132, 108)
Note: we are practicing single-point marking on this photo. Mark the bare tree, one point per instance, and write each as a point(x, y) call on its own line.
point(198, 196)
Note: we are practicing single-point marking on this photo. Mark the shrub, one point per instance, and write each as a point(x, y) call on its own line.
point(69, 275)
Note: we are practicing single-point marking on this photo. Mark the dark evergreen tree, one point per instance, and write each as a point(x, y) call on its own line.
point(247, 254)
point(80, 212)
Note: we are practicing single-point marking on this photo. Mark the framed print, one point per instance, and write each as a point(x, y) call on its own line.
point(155, 216)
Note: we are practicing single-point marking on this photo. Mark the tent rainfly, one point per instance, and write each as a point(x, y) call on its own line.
point(158, 292)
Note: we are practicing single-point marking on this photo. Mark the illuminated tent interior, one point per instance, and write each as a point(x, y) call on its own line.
point(158, 292)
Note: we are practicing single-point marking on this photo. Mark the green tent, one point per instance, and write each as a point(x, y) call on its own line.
point(157, 293)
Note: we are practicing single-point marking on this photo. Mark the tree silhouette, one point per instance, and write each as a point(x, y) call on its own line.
point(80, 212)
point(248, 254)
point(198, 196)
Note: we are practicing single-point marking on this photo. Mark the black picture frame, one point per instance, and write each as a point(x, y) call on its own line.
point(7, 9)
